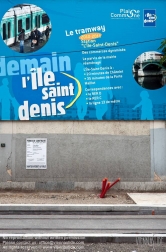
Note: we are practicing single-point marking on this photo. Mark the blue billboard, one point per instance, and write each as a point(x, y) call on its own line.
point(82, 60)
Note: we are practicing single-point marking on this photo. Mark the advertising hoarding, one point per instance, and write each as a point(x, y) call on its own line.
point(82, 60)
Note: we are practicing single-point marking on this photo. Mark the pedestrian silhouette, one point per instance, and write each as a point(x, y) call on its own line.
point(81, 103)
point(104, 95)
point(6, 101)
point(147, 106)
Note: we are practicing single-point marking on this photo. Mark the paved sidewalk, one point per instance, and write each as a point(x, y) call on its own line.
point(148, 199)
point(114, 203)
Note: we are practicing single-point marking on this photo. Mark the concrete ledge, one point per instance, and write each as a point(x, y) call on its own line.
point(71, 186)
point(81, 208)
point(17, 185)
point(54, 186)
point(126, 186)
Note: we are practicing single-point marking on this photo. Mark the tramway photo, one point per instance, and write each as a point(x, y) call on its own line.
point(25, 28)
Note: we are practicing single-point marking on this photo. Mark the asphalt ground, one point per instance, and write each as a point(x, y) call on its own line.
point(46, 233)
point(82, 224)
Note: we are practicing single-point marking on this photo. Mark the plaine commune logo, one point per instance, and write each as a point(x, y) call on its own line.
point(126, 14)
point(149, 18)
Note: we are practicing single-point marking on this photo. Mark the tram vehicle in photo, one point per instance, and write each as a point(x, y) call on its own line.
point(24, 16)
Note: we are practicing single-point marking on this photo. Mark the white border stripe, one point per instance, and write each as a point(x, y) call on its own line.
point(88, 205)
point(81, 235)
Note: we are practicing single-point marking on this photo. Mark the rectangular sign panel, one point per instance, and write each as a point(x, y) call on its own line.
point(83, 60)
point(36, 153)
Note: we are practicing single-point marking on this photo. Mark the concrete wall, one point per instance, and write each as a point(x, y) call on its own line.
point(85, 151)
point(158, 149)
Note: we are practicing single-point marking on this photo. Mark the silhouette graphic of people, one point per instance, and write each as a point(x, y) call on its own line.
point(103, 94)
point(6, 100)
point(81, 102)
point(147, 106)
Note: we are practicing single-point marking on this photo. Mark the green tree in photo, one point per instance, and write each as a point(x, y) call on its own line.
point(163, 49)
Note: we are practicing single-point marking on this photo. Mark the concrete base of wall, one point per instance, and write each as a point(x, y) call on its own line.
point(75, 186)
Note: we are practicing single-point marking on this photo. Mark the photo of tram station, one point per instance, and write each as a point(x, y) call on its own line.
point(25, 28)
